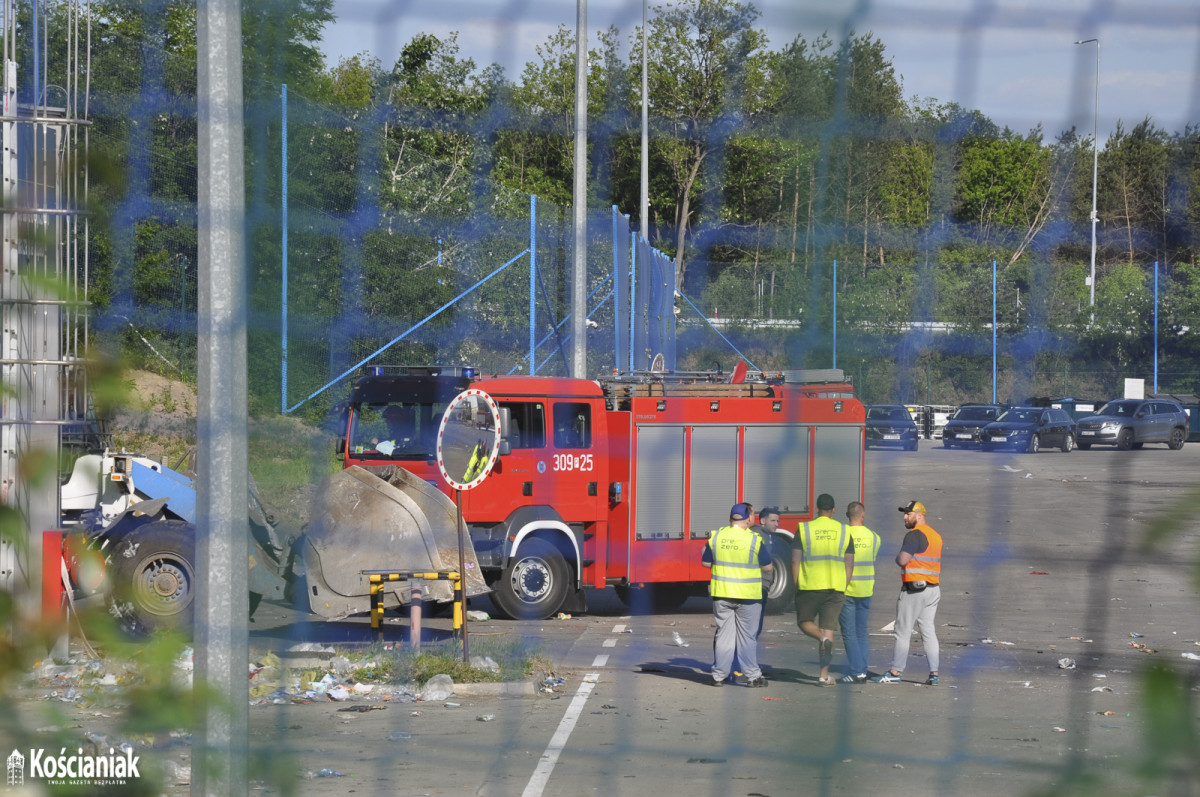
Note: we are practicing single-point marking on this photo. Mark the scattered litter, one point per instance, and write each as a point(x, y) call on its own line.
point(1059, 730)
point(678, 640)
point(1101, 688)
point(706, 760)
point(439, 687)
point(486, 717)
point(1010, 644)
point(476, 616)
point(485, 663)
point(1028, 476)
point(1099, 675)
point(308, 647)
point(338, 693)
point(1106, 713)
point(399, 736)
point(1027, 685)
point(889, 627)
point(1136, 635)
point(897, 766)
point(608, 705)
point(328, 773)
point(362, 709)
point(562, 616)
point(986, 641)
point(771, 698)
point(1080, 639)
point(452, 705)
point(415, 714)
point(1142, 647)
point(1191, 656)
point(1066, 664)
point(1038, 573)
point(177, 774)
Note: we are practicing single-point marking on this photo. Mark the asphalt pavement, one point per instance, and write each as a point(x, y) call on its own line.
point(1053, 609)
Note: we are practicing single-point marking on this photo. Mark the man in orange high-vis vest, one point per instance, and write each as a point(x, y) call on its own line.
point(920, 561)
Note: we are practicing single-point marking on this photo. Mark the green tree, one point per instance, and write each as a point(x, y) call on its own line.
point(707, 75)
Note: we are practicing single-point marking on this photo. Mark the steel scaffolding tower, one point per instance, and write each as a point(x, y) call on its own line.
point(43, 286)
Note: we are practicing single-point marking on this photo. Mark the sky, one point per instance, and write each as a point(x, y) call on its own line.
point(1014, 60)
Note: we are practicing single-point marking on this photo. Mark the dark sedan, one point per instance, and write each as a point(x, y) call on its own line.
point(891, 425)
point(1030, 429)
point(962, 429)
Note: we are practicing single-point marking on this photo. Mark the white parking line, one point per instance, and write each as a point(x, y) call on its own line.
point(600, 660)
point(609, 643)
point(619, 628)
point(541, 775)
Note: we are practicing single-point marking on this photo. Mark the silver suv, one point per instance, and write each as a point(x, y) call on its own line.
point(1129, 423)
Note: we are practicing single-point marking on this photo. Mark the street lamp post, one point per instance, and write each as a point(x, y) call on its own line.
point(1095, 164)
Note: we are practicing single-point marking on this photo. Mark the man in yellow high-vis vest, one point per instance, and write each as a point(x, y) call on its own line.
point(737, 559)
point(823, 561)
point(857, 608)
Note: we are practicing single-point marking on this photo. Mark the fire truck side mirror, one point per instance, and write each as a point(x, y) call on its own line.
point(339, 448)
point(505, 449)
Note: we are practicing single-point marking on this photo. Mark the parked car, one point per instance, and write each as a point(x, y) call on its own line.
point(890, 425)
point(962, 428)
point(1130, 423)
point(1029, 429)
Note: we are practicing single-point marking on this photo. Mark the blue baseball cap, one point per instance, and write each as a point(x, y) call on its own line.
point(739, 512)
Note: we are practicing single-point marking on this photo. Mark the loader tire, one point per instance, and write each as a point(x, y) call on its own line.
point(534, 585)
point(153, 577)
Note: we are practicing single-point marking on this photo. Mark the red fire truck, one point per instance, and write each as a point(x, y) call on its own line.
point(617, 482)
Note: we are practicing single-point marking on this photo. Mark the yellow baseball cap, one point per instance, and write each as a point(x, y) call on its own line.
point(913, 506)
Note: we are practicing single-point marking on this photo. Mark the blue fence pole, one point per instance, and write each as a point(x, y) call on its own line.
point(619, 289)
point(633, 264)
point(532, 282)
point(835, 314)
point(284, 225)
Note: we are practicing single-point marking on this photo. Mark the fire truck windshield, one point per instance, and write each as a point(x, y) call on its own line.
point(395, 431)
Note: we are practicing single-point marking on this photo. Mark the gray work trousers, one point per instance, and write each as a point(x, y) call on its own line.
point(737, 627)
point(917, 609)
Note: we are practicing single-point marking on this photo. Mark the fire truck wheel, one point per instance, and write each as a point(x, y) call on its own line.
point(783, 587)
point(534, 584)
point(153, 579)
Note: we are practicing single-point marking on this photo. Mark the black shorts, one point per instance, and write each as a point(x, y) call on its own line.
point(822, 604)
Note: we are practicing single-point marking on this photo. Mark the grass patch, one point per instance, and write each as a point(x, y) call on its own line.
point(517, 659)
point(166, 448)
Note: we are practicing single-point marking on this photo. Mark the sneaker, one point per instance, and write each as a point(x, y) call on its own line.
point(861, 678)
point(756, 682)
point(932, 679)
point(888, 677)
point(826, 652)
point(717, 683)
point(825, 681)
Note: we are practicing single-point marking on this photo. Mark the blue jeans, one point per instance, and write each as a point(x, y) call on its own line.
point(853, 621)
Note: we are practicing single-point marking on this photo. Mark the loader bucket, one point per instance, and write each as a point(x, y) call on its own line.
point(381, 518)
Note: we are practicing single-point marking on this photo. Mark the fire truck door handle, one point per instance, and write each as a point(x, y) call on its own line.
point(527, 488)
point(592, 488)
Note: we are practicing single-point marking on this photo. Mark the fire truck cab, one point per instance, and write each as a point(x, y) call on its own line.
point(617, 482)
